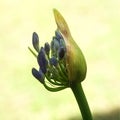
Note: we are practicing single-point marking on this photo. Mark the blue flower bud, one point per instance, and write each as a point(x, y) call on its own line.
point(61, 53)
point(38, 75)
point(47, 48)
point(53, 61)
point(58, 35)
point(56, 43)
point(54, 46)
point(59, 38)
point(35, 41)
point(62, 43)
point(42, 61)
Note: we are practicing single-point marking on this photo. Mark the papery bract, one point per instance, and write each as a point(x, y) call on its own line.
point(75, 61)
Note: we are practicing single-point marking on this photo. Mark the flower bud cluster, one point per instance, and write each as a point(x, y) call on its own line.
point(61, 63)
point(52, 71)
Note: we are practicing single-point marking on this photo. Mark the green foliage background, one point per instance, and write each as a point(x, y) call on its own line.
point(95, 26)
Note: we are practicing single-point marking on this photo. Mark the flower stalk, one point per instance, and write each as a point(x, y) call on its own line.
point(82, 101)
point(61, 64)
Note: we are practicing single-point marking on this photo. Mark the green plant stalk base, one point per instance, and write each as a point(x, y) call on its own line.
point(82, 101)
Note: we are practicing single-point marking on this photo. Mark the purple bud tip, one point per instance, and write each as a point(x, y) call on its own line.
point(58, 35)
point(61, 53)
point(53, 61)
point(35, 41)
point(47, 48)
point(38, 75)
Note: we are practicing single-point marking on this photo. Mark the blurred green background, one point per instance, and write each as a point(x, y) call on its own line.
point(95, 26)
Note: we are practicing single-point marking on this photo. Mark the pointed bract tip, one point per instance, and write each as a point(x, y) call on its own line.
point(61, 23)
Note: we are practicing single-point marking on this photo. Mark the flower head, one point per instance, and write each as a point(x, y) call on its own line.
point(61, 62)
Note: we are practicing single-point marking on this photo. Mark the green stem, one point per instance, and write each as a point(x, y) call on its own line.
point(82, 101)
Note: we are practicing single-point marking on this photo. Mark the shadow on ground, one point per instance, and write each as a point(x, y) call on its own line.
point(111, 115)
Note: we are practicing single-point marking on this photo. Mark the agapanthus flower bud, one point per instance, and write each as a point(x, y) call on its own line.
point(58, 35)
point(61, 53)
point(62, 62)
point(47, 48)
point(53, 61)
point(35, 41)
point(54, 46)
point(38, 75)
point(42, 61)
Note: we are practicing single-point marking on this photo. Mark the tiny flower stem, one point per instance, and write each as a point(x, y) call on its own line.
point(32, 52)
point(53, 82)
point(82, 101)
point(53, 89)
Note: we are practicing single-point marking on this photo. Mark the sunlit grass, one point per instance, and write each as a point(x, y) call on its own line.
point(95, 27)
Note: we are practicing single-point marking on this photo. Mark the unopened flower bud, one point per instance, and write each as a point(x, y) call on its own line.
point(35, 41)
point(58, 35)
point(47, 48)
point(53, 61)
point(62, 62)
point(38, 75)
point(61, 53)
point(42, 61)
